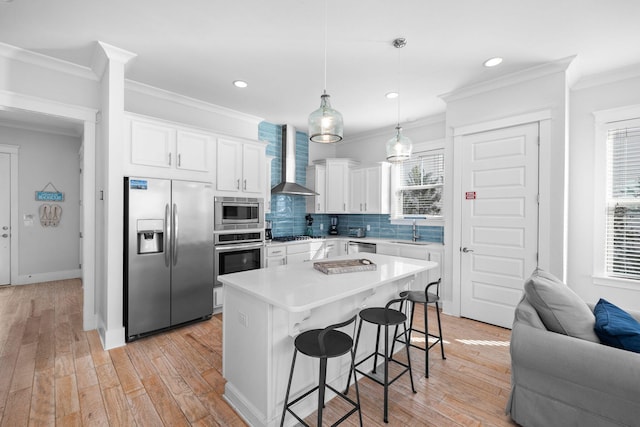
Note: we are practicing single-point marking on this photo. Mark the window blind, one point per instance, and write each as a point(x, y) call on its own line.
point(622, 250)
point(420, 182)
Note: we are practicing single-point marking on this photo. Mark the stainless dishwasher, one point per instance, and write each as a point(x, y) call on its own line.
point(356, 247)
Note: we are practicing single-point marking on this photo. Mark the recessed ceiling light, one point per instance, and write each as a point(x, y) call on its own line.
point(240, 83)
point(391, 95)
point(492, 62)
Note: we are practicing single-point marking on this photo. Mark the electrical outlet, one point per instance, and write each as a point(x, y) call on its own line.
point(321, 227)
point(243, 319)
point(368, 227)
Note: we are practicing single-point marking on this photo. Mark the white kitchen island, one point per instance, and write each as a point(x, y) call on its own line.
point(265, 309)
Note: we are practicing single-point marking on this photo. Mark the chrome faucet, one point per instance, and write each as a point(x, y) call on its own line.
point(415, 236)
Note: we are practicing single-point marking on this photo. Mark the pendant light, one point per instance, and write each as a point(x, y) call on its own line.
point(325, 123)
point(399, 147)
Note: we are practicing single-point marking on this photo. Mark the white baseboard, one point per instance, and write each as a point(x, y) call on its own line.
point(111, 338)
point(28, 279)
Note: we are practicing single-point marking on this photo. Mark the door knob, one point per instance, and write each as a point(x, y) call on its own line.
point(5, 227)
point(465, 250)
point(5, 235)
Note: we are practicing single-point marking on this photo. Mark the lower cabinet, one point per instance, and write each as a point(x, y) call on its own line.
point(218, 298)
point(307, 251)
point(275, 256)
point(333, 248)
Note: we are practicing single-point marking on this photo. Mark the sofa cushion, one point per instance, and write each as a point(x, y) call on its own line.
point(560, 309)
point(616, 327)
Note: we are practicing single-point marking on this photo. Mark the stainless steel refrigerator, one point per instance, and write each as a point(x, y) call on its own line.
point(168, 254)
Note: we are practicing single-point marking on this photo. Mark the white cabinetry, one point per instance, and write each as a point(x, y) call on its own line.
point(240, 166)
point(369, 189)
point(166, 150)
point(307, 251)
point(436, 255)
point(275, 255)
point(336, 194)
point(333, 248)
point(316, 181)
point(218, 298)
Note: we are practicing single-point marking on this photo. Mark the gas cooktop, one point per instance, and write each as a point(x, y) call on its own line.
point(292, 238)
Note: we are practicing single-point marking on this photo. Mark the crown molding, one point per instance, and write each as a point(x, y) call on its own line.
point(607, 77)
point(517, 77)
point(155, 92)
point(105, 53)
point(36, 104)
point(75, 131)
point(29, 57)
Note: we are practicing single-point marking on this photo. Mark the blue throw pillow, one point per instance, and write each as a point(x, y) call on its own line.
point(616, 327)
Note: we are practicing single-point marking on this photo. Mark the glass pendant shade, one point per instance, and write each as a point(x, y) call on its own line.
point(399, 147)
point(325, 123)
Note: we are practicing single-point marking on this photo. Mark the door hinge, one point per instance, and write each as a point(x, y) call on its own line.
point(538, 198)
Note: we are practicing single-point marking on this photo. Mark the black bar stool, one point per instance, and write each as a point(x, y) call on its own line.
point(323, 344)
point(383, 316)
point(425, 298)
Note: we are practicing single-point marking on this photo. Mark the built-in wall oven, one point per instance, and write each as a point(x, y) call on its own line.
point(234, 252)
point(238, 213)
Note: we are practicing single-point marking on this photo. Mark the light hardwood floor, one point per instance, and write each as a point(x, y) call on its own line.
point(54, 373)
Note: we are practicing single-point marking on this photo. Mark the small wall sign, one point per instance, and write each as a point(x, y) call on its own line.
point(49, 196)
point(470, 195)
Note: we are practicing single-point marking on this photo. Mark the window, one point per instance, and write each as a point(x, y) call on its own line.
point(622, 241)
point(419, 184)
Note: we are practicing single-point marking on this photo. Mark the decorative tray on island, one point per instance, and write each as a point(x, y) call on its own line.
point(344, 266)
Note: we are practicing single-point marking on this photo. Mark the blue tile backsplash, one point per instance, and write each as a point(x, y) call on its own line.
point(288, 212)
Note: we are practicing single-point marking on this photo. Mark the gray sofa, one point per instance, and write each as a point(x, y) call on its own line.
point(561, 380)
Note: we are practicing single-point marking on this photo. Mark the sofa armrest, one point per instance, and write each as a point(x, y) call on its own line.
point(588, 364)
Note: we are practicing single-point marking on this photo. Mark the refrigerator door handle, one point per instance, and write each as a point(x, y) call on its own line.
point(167, 233)
point(174, 239)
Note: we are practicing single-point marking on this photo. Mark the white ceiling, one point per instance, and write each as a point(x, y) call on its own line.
point(199, 47)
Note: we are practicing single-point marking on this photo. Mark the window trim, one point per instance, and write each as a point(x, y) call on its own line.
point(418, 149)
point(605, 120)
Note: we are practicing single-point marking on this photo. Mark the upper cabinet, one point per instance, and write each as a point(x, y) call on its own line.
point(336, 184)
point(240, 166)
point(166, 150)
point(369, 189)
point(316, 181)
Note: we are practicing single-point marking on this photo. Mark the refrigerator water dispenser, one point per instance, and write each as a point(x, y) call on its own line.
point(150, 236)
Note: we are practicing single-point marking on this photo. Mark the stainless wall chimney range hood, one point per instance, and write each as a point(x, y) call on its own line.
point(288, 161)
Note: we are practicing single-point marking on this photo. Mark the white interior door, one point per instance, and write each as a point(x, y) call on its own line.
point(499, 230)
point(5, 219)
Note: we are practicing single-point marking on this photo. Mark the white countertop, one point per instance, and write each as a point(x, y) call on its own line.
point(300, 287)
point(377, 240)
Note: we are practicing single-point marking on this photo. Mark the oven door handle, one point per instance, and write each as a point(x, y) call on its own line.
point(235, 247)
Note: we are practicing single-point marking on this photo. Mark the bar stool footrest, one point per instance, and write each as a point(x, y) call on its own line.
point(338, 393)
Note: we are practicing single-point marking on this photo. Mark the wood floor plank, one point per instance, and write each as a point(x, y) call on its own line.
point(180, 390)
point(24, 367)
point(164, 403)
point(127, 375)
point(117, 407)
point(92, 410)
point(144, 411)
point(16, 412)
point(66, 392)
point(43, 409)
point(53, 372)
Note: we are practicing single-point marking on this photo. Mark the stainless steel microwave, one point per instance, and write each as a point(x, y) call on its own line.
point(238, 213)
